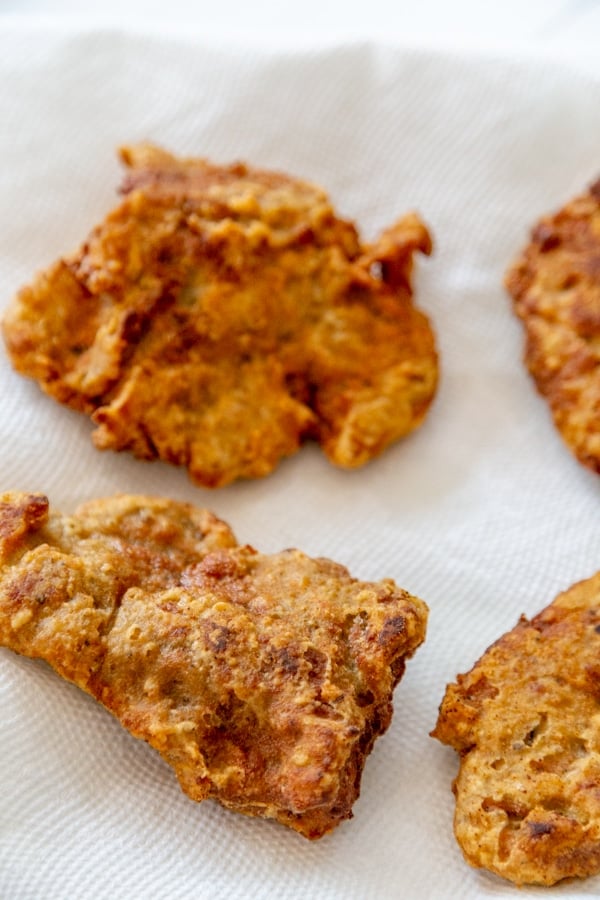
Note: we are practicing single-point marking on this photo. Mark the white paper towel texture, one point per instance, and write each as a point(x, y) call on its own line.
point(483, 512)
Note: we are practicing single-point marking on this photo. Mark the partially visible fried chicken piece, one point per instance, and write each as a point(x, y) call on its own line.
point(526, 723)
point(555, 285)
point(221, 315)
point(262, 680)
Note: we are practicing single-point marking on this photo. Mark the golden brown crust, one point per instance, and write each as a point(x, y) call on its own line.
point(555, 285)
point(526, 723)
point(263, 680)
point(221, 315)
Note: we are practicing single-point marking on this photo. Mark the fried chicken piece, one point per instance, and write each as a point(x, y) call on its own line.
point(262, 680)
point(555, 286)
point(220, 316)
point(526, 723)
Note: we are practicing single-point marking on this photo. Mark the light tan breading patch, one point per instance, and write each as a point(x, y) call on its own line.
point(220, 316)
point(526, 723)
point(555, 286)
point(263, 680)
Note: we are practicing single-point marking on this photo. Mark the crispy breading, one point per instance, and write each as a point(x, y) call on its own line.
point(555, 285)
point(526, 723)
point(220, 316)
point(263, 680)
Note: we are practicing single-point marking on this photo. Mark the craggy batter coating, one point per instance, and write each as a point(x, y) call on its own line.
point(221, 315)
point(263, 680)
point(526, 723)
point(556, 290)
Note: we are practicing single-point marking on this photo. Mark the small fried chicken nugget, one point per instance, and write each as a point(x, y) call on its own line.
point(262, 680)
point(526, 723)
point(555, 285)
point(220, 316)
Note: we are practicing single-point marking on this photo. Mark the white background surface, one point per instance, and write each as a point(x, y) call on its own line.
point(483, 512)
point(569, 25)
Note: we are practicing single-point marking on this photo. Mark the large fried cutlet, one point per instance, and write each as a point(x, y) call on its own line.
point(262, 680)
point(526, 723)
point(555, 285)
point(219, 316)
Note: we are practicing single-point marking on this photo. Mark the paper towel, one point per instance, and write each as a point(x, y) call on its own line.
point(483, 512)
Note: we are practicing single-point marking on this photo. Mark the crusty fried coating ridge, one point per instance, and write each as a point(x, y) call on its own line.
point(262, 680)
point(526, 723)
point(555, 285)
point(220, 316)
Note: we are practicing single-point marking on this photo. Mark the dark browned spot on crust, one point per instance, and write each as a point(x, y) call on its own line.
point(19, 518)
point(595, 189)
point(544, 235)
point(392, 629)
point(539, 829)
